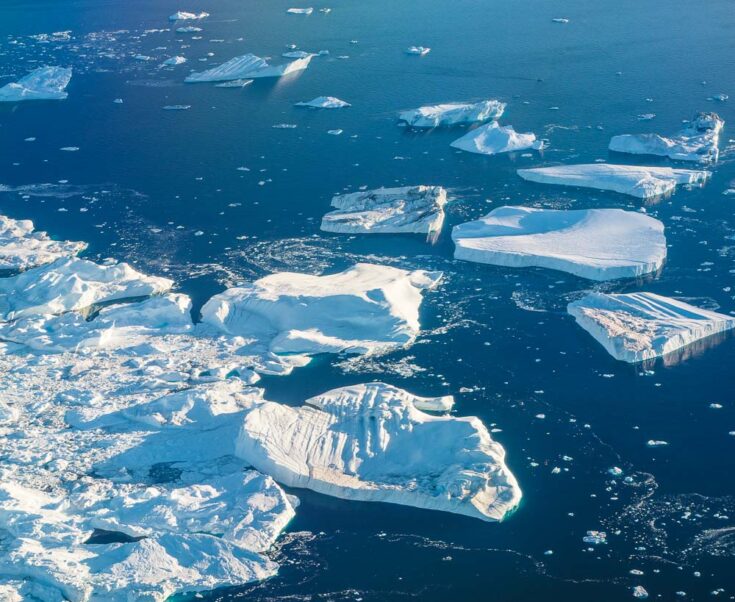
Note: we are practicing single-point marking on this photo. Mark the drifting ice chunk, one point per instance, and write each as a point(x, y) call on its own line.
point(454, 113)
point(173, 61)
point(633, 180)
point(324, 102)
point(418, 50)
point(369, 442)
point(365, 308)
point(697, 142)
point(491, 139)
point(184, 16)
point(300, 11)
point(22, 248)
point(46, 83)
point(416, 209)
point(188, 29)
point(599, 244)
point(248, 66)
point(638, 326)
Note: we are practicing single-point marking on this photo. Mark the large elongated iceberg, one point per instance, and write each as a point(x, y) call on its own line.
point(634, 327)
point(417, 209)
point(21, 247)
point(453, 113)
point(370, 442)
point(248, 66)
point(45, 83)
point(697, 142)
point(634, 180)
point(599, 244)
point(492, 139)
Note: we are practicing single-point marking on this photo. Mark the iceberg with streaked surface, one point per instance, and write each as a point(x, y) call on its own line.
point(633, 180)
point(324, 102)
point(411, 209)
point(22, 247)
point(493, 139)
point(599, 244)
point(248, 66)
point(634, 327)
point(453, 113)
point(697, 142)
point(370, 442)
point(44, 83)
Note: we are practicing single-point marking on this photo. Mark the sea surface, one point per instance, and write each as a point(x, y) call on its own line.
point(162, 189)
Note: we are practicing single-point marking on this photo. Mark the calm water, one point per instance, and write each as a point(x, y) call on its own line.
point(162, 189)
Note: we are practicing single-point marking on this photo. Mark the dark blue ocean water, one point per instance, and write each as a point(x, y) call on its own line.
point(161, 189)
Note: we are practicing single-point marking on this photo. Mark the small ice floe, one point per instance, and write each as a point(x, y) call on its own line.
point(173, 61)
point(248, 66)
point(185, 16)
point(69, 149)
point(284, 126)
point(615, 471)
point(719, 97)
point(334, 132)
point(586, 243)
point(296, 54)
point(176, 107)
point(324, 102)
point(235, 83)
point(188, 29)
point(633, 180)
point(640, 592)
point(634, 327)
point(409, 209)
point(142, 58)
point(698, 142)
point(118, 101)
point(418, 50)
point(560, 20)
point(646, 116)
point(656, 443)
point(453, 113)
point(45, 83)
point(595, 538)
point(21, 247)
point(492, 139)
point(300, 11)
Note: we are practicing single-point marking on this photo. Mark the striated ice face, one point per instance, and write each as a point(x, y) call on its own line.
point(248, 66)
point(453, 113)
point(45, 83)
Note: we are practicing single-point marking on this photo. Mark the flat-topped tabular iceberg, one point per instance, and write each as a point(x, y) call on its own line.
point(453, 113)
point(634, 180)
point(492, 139)
point(634, 327)
point(248, 66)
point(22, 248)
point(370, 442)
point(185, 16)
point(324, 102)
point(599, 244)
point(697, 142)
point(45, 83)
point(416, 209)
point(363, 309)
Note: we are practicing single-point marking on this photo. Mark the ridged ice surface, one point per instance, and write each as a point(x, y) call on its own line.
point(247, 66)
point(22, 247)
point(453, 113)
point(45, 83)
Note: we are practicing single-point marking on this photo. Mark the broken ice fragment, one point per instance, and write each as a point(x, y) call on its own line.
point(454, 113)
point(418, 50)
point(492, 139)
point(22, 248)
point(248, 66)
point(45, 83)
point(185, 16)
point(324, 102)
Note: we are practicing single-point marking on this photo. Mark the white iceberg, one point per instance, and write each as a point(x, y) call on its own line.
point(634, 327)
point(418, 50)
point(363, 309)
point(412, 209)
point(188, 29)
point(45, 83)
point(324, 102)
point(453, 113)
point(370, 442)
point(185, 16)
point(633, 180)
point(173, 61)
point(248, 66)
point(599, 244)
point(492, 139)
point(22, 248)
point(697, 142)
point(300, 11)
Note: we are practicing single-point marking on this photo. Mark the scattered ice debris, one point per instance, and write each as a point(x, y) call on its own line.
point(697, 142)
point(719, 97)
point(646, 116)
point(188, 29)
point(173, 61)
point(656, 443)
point(405, 456)
point(599, 244)
point(45, 83)
point(22, 248)
point(640, 592)
point(638, 181)
point(412, 209)
point(492, 139)
point(300, 11)
point(248, 66)
point(235, 83)
point(324, 102)
point(284, 126)
point(185, 16)
point(560, 20)
point(176, 107)
point(454, 113)
point(639, 326)
point(418, 50)
point(595, 537)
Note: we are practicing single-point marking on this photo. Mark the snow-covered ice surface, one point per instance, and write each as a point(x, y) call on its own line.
point(599, 244)
point(453, 113)
point(412, 209)
point(634, 327)
point(187, 16)
point(493, 139)
point(633, 180)
point(22, 247)
point(324, 102)
point(698, 142)
point(44, 83)
point(248, 66)
point(370, 442)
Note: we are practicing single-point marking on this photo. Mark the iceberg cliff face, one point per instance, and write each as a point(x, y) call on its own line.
point(22, 248)
point(248, 66)
point(635, 327)
point(492, 139)
point(698, 142)
point(46, 83)
point(370, 443)
point(599, 244)
point(453, 113)
point(633, 180)
point(412, 209)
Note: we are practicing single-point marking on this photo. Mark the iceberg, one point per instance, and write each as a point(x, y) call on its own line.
point(411, 209)
point(324, 102)
point(418, 50)
point(185, 16)
point(188, 29)
point(364, 309)
point(698, 142)
point(599, 244)
point(300, 11)
point(492, 139)
point(633, 180)
point(248, 66)
point(453, 113)
point(173, 61)
point(634, 327)
point(22, 248)
point(45, 83)
point(370, 442)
